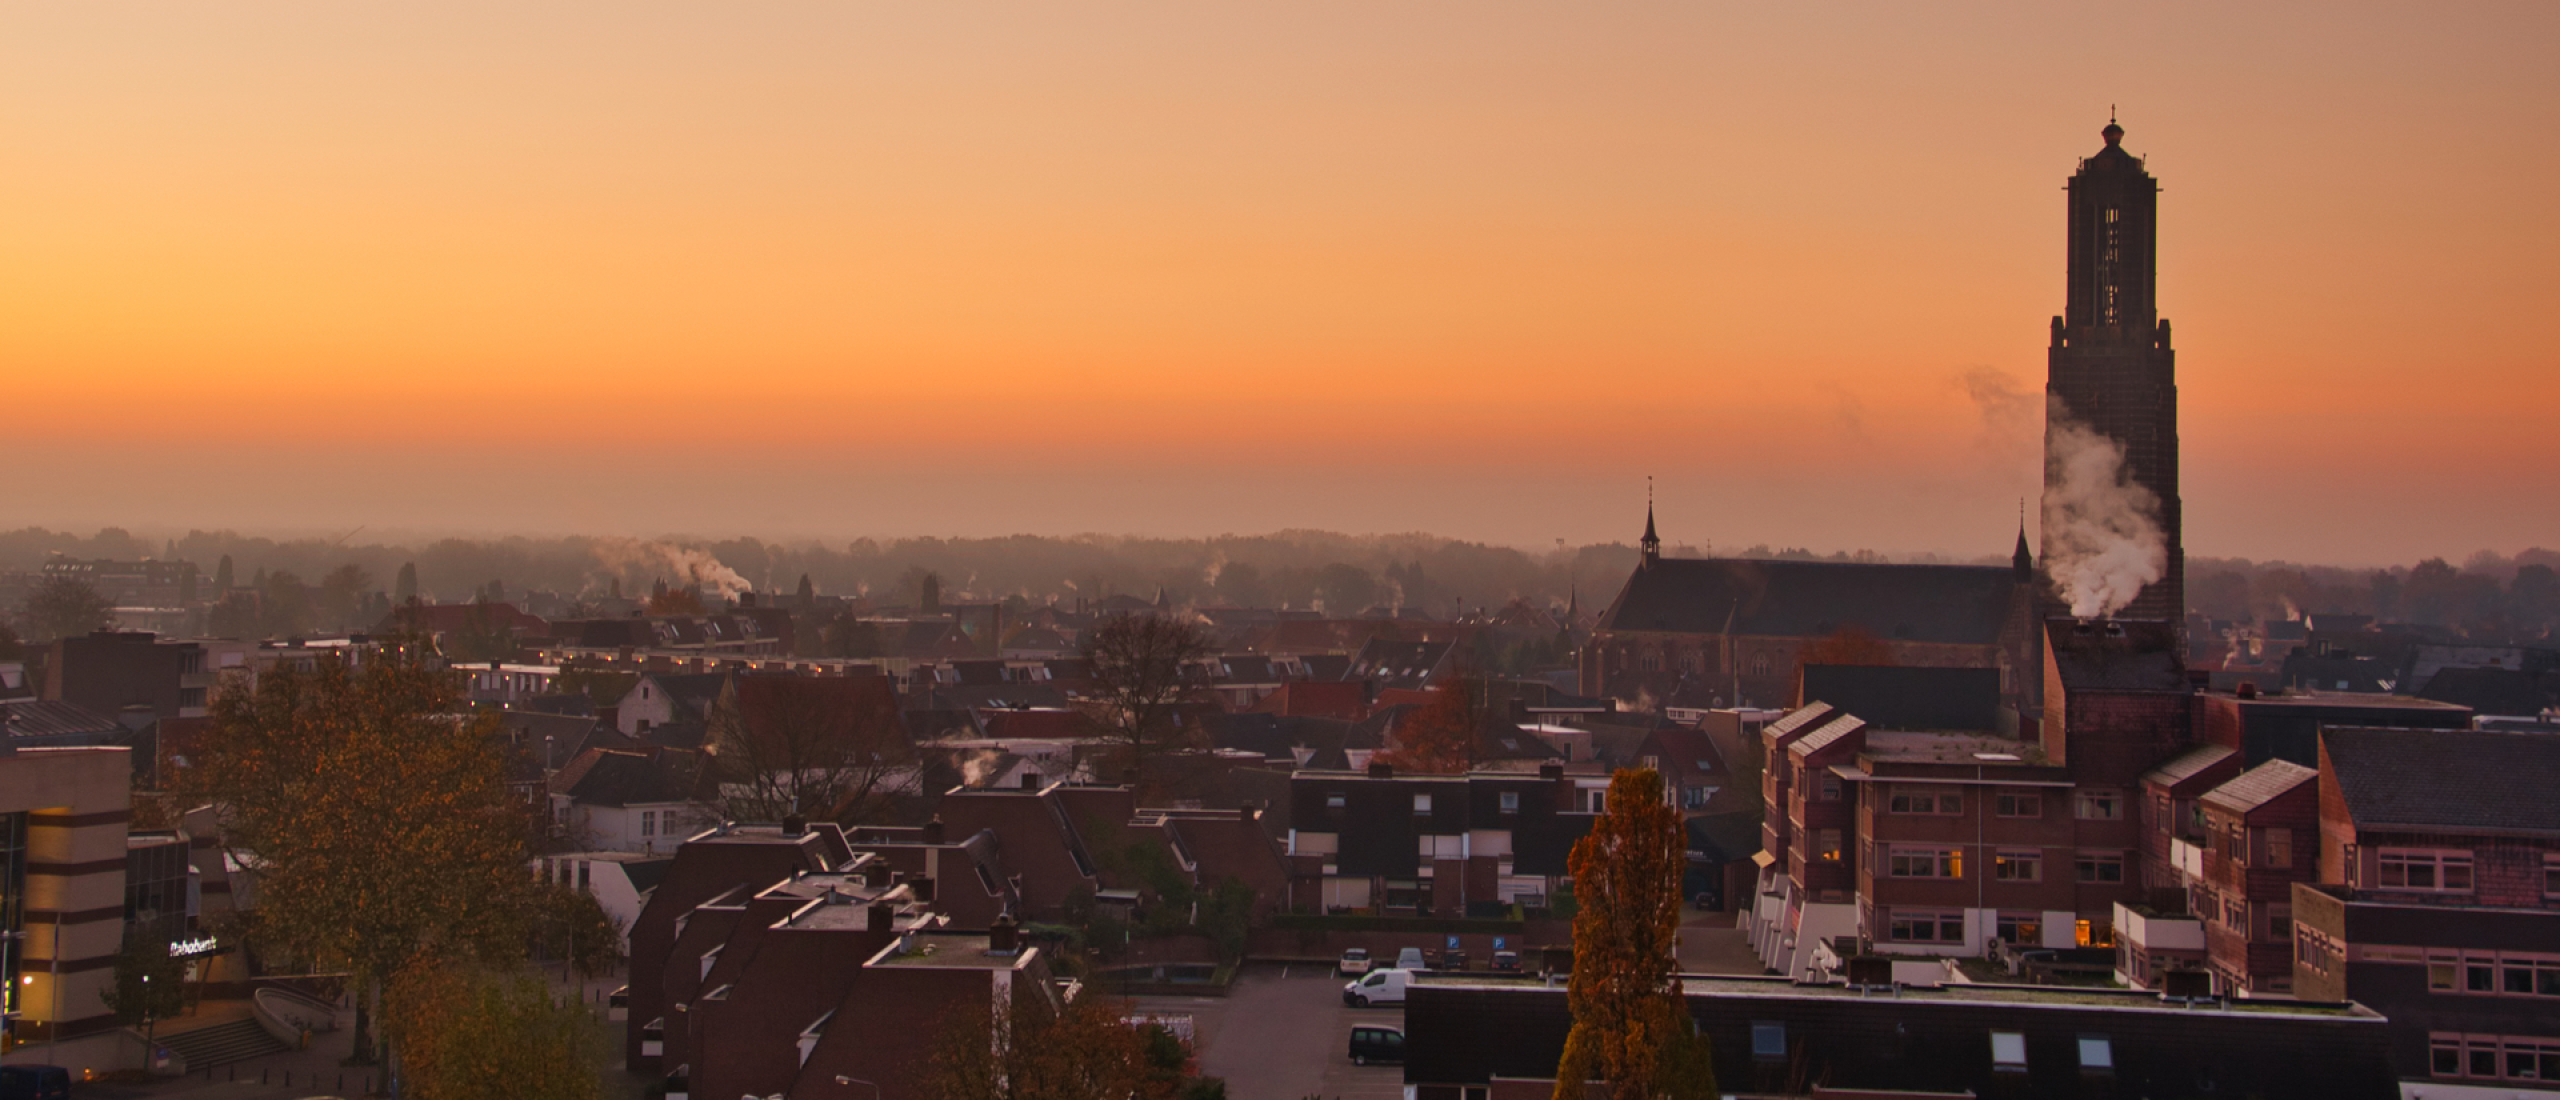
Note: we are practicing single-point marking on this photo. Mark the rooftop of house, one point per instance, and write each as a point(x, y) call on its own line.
point(950, 951)
point(2470, 781)
point(1956, 604)
point(2189, 764)
point(2368, 700)
point(1921, 747)
point(2022, 996)
point(2259, 785)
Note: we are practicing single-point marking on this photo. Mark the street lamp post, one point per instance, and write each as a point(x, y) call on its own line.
point(844, 1080)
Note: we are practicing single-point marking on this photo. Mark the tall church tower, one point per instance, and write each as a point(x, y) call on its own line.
point(2110, 365)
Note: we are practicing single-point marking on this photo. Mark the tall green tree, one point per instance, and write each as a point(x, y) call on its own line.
point(64, 607)
point(404, 588)
point(1631, 1026)
point(222, 578)
point(377, 813)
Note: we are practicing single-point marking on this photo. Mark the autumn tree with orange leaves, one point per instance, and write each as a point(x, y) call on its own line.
point(376, 814)
point(1631, 1026)
point(1445, 736)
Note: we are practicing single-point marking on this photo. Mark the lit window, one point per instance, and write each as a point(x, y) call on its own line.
point(2019, 866)
point(1926, 863)
point(1422, 804)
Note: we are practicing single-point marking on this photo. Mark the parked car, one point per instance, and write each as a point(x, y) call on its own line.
point(1355, 962)
point(1507, 961)
point(1371, 1043)
point(1453, 960)
point(1409, 959)
point(1384, 987)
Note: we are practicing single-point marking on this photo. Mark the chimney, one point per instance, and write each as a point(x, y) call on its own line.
point(933, 830)
point(1003, 937)
point(1378, 770)
point(922, 887)
point(884, 917)
point(795, 825)
point(875, 872)
point(2248, 689)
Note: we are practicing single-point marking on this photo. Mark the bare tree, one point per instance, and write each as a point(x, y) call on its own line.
point(820, 747)
point(1137, 664)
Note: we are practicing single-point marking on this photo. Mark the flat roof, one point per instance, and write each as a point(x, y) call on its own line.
point(1912, 746)
point(2366, 700)
point(2024, 996)
point(949, 951)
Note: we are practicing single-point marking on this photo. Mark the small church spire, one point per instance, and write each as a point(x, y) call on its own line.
point(2022, 559)
point(1652, 544)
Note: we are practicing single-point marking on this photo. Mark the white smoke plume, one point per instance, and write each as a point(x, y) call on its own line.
point(979, 768)
point(680, 565)
point(2102, 531)
point(1217, 564)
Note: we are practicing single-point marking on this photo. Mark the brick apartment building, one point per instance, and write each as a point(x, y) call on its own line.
point(2438, 900)
point(1435, 845)
point(1936, 841)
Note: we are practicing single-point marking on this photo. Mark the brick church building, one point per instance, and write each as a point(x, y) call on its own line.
point(1732, 632)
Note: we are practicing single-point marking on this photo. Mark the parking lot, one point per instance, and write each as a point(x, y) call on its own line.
point(1284, 1034)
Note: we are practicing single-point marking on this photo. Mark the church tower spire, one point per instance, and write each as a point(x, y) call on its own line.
point(1652, 544)
point(2023, 560)
point(2110, 366)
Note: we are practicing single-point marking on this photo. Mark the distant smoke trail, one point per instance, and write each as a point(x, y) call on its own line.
point(680, 565)
point(2101, 530)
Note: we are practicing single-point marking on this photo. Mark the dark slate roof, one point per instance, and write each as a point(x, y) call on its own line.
point(645, 874)
point(602, 778)
point(1956, 604)
point(2259, 785)
point(2116, 656)
point(52, 718)
point(2187, 765)
point(1897, 698)
point(2505, 691)
point(2463, 781)
point(694, 691)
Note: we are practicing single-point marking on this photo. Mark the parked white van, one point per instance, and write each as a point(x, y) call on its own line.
point(1385, 987)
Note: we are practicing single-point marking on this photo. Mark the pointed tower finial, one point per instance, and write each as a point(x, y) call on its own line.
point(2022, 560)
point(1652, 544)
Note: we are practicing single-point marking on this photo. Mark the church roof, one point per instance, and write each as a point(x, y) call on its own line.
point(1951, 604)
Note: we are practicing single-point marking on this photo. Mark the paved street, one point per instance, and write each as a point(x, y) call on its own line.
point(1284, 1034)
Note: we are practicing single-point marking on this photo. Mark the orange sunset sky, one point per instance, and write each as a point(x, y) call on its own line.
point(870, 267)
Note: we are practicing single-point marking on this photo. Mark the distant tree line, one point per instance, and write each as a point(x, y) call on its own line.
point(2489, 593)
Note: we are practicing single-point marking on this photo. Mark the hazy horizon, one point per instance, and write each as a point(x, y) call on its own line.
point(1470, 270)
